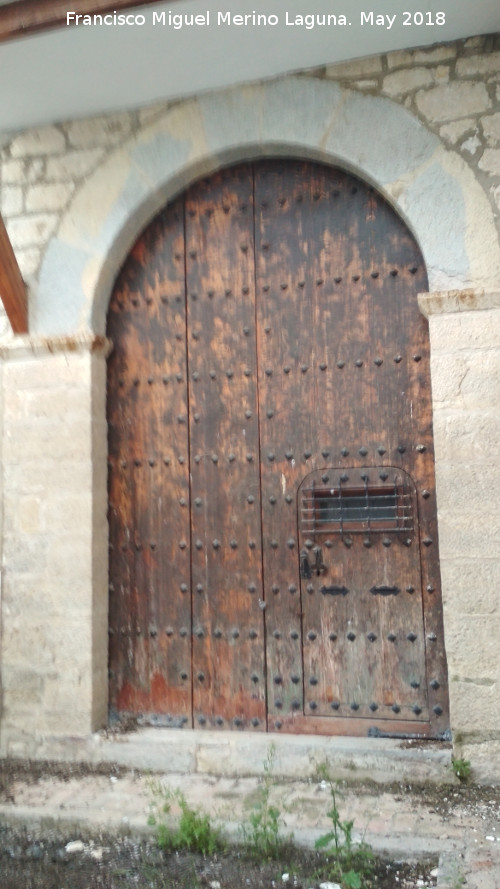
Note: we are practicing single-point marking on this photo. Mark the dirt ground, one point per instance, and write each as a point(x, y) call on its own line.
point(54, 860)
point(30, 861)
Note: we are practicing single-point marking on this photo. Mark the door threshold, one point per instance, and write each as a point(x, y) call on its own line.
point(243, 754)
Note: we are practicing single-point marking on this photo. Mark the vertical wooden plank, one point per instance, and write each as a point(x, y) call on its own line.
point(228, 632)
point(286, 330)
point(150, 607)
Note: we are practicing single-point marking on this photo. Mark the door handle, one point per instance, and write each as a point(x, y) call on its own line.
point(305, 568)
point(319, 565)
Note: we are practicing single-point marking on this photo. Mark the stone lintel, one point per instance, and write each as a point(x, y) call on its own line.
point(444, 302)
point(22, 347)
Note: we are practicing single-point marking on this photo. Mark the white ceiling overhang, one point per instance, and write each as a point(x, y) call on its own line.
point(74, 72)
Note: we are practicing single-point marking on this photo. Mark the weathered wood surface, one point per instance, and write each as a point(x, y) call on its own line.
point(228, 630)
point(149, 515)
point(298, 354)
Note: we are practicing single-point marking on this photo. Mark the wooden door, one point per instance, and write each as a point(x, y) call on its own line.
point(268, 395)
point(362, 596)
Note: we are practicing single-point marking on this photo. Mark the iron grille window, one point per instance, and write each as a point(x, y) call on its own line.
point(339, 509)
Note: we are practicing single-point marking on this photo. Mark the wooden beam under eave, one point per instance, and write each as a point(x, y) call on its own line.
point(21, 18)
point(12, 287)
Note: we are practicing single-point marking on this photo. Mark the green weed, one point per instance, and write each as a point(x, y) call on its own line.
point(194, 830)
point(346, 862)
point(261, 831)
point(461, 768)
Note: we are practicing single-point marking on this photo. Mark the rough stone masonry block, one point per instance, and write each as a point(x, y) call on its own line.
point(14, 404)
point(491, 128)
point(63, 404)
point(471, 533)
point(27, 231)
point(63, 475)
point(29, 262)
point(48, 372)
point(49, 197)
point(460, 331)
point(480, 387)
point(452, 101)
point(23, 553)
point(65, 683)
point(470, 585)
point(467, 438)
point(60, 645)
point(11, 200)
point(12, 172)
point(69, 555)
point(46, 442)
point(66, 507)
point(46, 140)
point(109, 130)
point(29, 514)
point(490, 161)
point(483, 64)
point(472, 647)
point(466, 487)
point(21, 687)
point(71, 719)
point(355, 69)
point(54, 592)
point(421, 56)
point(485, 757)
point(73, 164)
point(448, 372)
point(399, 83)
point(474, 708)
point(495, 191)
point(454, 131)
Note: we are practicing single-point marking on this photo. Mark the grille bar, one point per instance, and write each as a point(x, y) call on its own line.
point(357, 509)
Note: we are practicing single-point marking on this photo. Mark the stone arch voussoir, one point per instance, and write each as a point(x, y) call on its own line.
point(433, 189)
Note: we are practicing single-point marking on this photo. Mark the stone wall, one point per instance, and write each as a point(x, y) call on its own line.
point(453, 88)
point(465, 368)
point(54, 584)
point(54, 441)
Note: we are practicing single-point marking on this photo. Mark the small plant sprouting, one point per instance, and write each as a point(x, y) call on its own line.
point(194, 831)
point(461, 768)
point(261, 832)
point(346, 861)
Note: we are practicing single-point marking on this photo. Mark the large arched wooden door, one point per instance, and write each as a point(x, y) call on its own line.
point(273, 540)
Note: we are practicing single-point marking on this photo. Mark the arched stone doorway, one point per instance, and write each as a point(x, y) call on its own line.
point(272, 508)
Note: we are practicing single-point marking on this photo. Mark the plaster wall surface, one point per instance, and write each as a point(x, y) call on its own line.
point(424, 127)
